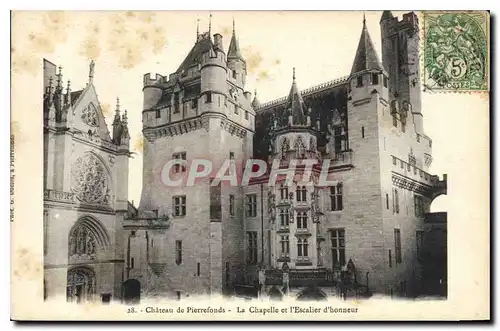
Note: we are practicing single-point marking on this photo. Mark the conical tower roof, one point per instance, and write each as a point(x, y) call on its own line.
point(366, 57)
point(295, 104)
point(234, 48)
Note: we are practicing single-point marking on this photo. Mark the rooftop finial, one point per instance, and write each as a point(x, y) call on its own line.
point(234, 29)
point(117, 104)
point(210, 25)
point(293, 73)
point(197, 28)
point(364, 20)
point(59, 77)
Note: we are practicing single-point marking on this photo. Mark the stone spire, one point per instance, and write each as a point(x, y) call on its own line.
point(68, 93)
point(117, 112)
point(295, 105)
point(366, 57)
point(117, 124)
point(234, 48)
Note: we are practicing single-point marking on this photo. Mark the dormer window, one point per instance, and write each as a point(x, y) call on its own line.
point(374, 79)
point(359, 81)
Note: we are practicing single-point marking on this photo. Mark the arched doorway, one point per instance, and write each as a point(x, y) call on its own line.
point(81, 284)
point(311, 294)
point(275, 294)
point(132, 291)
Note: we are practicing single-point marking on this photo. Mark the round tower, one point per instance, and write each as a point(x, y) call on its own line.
point(213, 77)
point(152, 91)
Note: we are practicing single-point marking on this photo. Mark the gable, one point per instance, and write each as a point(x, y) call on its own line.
point(88, 115)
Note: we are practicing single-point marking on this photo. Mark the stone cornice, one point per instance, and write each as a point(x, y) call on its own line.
point(193, 124)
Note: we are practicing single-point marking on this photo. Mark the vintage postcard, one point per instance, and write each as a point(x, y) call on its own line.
point(182, 165)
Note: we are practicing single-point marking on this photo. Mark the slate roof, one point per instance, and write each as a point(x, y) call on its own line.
point(194, 56)
point(366, 56)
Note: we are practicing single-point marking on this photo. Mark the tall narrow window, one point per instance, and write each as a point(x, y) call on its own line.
point(198, 269)
point(359, 81)
point(231, 205)
point(236, 109)
point(252, 247)
point(285, 246)
point(176, 103)
point(337, 132)
point(178, 167)
point(234, 74)
point(397, 246)
point(362, 132)
point(251, 205)
point(231, 155)
point(178, 295)
point(178, 252)
point(395, 201)
point(374, 79)
point(132, 263)
point(209, 97)
point(301, 193)
point(420, 245)
point(158, 113)
point(336, 201)
point(387, 201)
point(419, 206)
point(385, 81)
point(179, 204)
point(246, 114)
point(337, 238)
point(284, 192)
point(302, 248)
point(302, 220)
point(284, 218)
point(390, 258)
point(194, 104)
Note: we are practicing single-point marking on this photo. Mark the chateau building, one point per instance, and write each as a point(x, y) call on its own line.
point(361, 233)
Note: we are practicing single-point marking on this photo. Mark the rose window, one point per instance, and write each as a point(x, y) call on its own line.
point(89, 180)
point(89, 115)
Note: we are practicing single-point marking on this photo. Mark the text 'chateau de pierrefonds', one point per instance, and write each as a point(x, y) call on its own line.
point(370, 231)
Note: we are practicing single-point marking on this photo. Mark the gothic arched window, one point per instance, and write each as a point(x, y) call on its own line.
point(89, 180)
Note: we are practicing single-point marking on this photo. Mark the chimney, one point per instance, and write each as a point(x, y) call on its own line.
point(218, 41)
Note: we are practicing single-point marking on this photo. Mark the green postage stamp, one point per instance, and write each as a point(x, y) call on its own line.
point(456, 51)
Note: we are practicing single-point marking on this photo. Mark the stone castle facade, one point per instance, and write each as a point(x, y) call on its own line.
point(362, 233)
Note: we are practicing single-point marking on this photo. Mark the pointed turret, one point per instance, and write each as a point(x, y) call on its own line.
point(234, 48)
point(366, 57)
point(68, 93)
point(255, 102)
point(386, 15)
point(295, 105)
point(125, 134)
point(117, 124)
